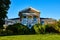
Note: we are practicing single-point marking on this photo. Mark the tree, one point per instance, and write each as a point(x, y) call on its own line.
point(4, 6)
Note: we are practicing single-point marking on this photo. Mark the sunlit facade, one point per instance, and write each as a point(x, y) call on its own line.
point(29, 17)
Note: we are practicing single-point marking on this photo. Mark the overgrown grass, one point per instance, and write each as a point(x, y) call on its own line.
point(32, 37)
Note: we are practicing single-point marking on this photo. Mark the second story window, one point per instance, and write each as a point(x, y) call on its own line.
point(35, 18)
point(23, 16)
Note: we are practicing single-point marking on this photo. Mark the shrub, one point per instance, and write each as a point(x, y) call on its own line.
point(18, 29)
point(50, 28)
point(38, 28)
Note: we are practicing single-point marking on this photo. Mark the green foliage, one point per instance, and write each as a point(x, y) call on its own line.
point(5, 32)
point(58, 23)
point(18, 29)
point(49, 28)
point(4, 6)
point(38, 28)
point(52, 28)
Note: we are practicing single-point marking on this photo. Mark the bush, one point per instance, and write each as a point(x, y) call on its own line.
point(41, 29)
point(18, 29)
point(38, 28)
point(50, 28)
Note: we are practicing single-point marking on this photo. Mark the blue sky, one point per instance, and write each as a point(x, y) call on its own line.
point(48, 8)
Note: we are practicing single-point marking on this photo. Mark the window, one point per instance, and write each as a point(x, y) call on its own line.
point(23, 16)
point(35, 19)
point(42, 22)
point(24, 21)
point(29, 25)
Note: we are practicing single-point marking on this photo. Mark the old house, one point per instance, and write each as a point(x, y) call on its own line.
point(29, 17)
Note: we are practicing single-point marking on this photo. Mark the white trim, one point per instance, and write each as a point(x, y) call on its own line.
point(34, 9)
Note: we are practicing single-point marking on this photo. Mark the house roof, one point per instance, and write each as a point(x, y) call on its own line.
point(34, 9)
point(19, 18)
point(40, 19)
point(14, 19)
point(30, 8)
point(47, 19)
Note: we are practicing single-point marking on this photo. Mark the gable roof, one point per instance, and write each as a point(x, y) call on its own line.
point(34, 9)
point(29, 8)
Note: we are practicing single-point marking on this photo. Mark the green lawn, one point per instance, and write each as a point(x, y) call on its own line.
point(31, 37)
